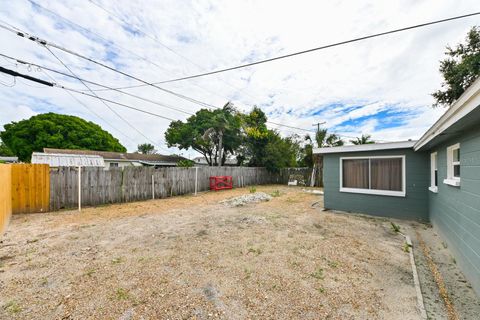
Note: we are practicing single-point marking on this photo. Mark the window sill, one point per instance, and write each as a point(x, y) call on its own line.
point(374, 192)
point(433, 189)
point(452, 182)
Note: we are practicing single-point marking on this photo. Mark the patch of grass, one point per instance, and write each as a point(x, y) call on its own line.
point(117, 260)
point(90, 272)
point(248, 273)
point(317, 225)
point(252, 189)
point(122, 294)
point(332, 264)
point(318, 274)
point(395, 227)
point(256, 251)
point(12, 307)
point(202, 233)
point(275, 193)
point(32, 240)
point(44, 281)
point(321, 290)
point(406, 247)
point(444, 244)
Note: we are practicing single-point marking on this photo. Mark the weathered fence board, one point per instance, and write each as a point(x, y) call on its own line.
point(99, 186)
point(306, 173)
point(30, 188)
point(5, 195)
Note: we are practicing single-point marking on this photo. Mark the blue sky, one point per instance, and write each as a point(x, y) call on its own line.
point(380, 87)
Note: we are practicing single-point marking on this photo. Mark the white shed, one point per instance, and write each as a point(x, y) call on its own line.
point(67, 160)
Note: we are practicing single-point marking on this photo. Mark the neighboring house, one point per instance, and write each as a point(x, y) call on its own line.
point(67, 160)
point(201, 161)
point(121, 159)
point(8, 159)
point(436, 178)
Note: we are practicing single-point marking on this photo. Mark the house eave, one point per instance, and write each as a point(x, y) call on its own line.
point(366, 147)
point(467, 102)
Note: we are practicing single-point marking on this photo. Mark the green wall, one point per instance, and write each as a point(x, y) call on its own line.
point(455, 211)
point(413, 206)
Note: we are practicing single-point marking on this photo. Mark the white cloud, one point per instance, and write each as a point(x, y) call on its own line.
point(395, 73)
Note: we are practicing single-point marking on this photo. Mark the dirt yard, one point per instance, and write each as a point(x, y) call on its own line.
point(193, 257)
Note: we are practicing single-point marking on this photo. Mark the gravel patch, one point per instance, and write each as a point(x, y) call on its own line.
point(246, 199)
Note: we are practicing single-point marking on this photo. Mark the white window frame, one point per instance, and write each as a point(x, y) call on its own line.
point(433, 168)
point(451, 180)
point(372, 191)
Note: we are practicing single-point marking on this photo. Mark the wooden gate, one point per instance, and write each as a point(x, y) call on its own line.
point(30, 188)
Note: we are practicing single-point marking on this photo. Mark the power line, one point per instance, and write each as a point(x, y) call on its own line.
point(96, 84)
point(116, 45)
point(90, 110)
point(140, 110)
point(154, 38)
point(16, 74)
point(126, 93)
point(45, 43)
point(106, 104)
point(319, 48)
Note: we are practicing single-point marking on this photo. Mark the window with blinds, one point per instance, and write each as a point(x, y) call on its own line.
point(374, 175)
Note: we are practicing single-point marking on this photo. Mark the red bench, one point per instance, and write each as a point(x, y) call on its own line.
point(221, 182)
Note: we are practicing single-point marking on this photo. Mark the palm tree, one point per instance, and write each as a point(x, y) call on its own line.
point(364, 139)
point(325, 139)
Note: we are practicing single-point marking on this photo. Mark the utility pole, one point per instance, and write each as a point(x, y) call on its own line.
point(318, 127)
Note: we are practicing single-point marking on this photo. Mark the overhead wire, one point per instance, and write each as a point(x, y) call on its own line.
point(95, 83)
point(90, 109)
point(114, 44)
point(45, 43)
point(319, 48)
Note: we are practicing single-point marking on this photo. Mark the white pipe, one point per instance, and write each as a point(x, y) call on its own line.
point(79, 188)
point(153, 188)
point(196, 179)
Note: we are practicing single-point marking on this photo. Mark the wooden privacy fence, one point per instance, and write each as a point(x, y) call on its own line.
point(30, 188)
point(5, 195)
point(306, 173)
point(99, 186)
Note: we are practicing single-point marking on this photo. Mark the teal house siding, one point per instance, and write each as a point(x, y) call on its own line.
point(413, 206)
point(455, 211)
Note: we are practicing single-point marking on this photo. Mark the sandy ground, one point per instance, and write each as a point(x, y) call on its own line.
point(466, 304)
point(192, 257)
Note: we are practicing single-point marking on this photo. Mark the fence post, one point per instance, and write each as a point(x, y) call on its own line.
point(196, 179)
point(79, 188)
point(153, 188)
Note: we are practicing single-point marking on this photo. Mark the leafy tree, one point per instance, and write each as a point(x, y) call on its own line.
point(185, 163)
point(5, 151)
point(459, 69)
point(255, 138)
point(280, 152)
point(325, 139)
point(146, 148)
point(213, 133)
point(51, 130)
point(307, 160)
point(364, 139)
